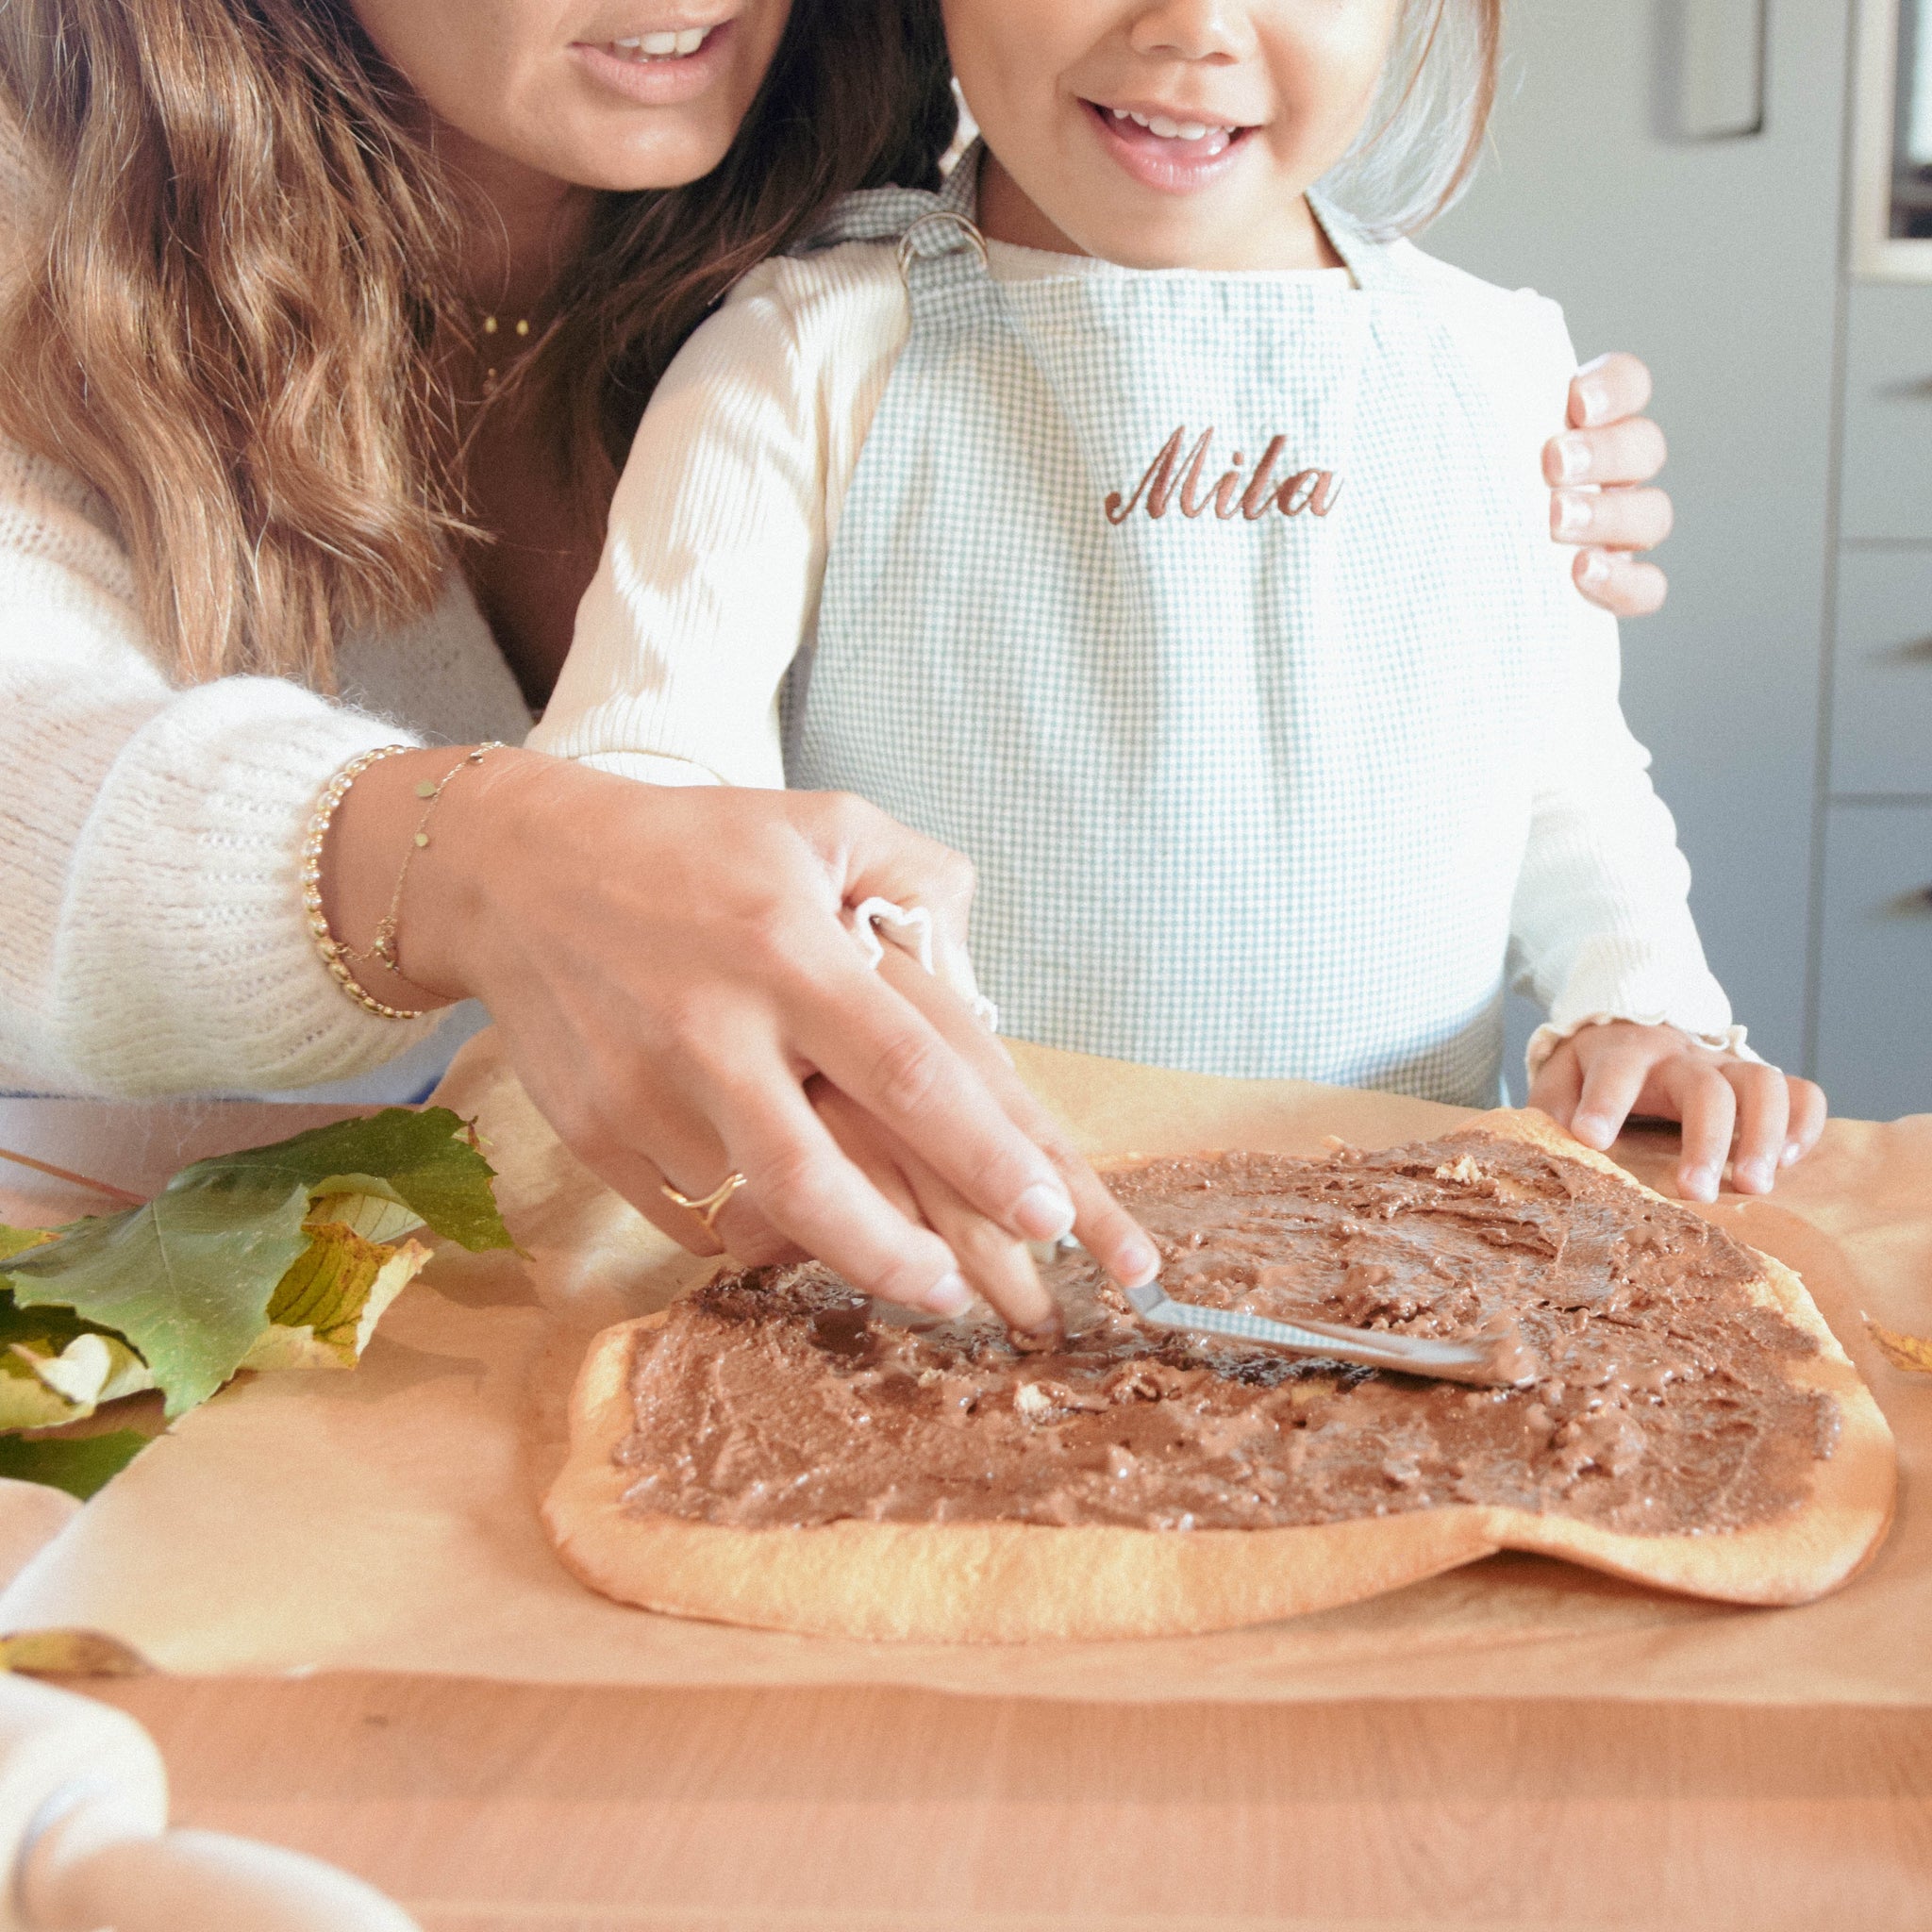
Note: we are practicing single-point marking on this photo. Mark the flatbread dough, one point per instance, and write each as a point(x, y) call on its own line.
point(1005, 1582)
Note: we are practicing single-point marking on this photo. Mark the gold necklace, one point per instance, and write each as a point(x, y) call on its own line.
point(493, 327)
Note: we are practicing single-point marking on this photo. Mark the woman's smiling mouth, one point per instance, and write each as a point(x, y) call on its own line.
point(661, 67)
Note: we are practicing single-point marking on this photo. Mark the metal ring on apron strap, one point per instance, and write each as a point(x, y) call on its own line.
point(945, 216)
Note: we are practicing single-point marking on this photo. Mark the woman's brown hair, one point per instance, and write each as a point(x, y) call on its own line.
point(231, 296)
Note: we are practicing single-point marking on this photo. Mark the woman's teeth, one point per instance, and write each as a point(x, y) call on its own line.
point(1164, 129)
point(667, 46)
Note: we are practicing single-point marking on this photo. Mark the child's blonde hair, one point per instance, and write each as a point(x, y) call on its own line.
point(1424, 133)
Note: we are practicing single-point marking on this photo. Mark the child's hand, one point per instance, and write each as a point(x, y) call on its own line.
point(1601, 1075)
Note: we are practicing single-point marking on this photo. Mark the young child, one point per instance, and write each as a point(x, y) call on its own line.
point(1133, 519)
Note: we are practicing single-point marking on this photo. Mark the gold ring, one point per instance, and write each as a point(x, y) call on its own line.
point(707, 1207)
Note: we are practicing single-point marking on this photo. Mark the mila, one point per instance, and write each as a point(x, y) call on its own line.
point(1233, 494)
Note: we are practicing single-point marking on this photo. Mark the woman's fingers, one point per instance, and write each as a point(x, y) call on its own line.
point(993, 1262)
point(1613, 450)
point(1105, 1228)
point(1616, 453)
point(1620, 584)
point(1611, 519)
point(1610, 387)
point(877, 1048)
point(802, 1183)
point(1764, 1112)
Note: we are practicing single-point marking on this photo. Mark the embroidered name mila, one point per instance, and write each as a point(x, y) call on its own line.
point(1234, 492)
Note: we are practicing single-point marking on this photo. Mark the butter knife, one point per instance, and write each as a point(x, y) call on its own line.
point(1484, 1361)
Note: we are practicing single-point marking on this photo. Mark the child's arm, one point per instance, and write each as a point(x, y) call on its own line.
point(1601, 932)
point(718, 533)
point(1605, 939)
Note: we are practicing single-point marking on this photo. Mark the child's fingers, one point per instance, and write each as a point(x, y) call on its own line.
point(1764, 1112)
point(1809, 1112)
point(1708, 1110)
point(1612, 1079)
point(1559, 1085)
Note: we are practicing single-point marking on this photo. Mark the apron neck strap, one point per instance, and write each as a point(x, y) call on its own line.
point(940, 231)
point(1367, 261)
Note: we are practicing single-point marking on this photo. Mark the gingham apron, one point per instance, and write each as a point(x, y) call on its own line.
point(1248, 792)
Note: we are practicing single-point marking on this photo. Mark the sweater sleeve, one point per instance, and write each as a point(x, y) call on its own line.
point(1600, 926)
point(719, 533)
point(150, 838)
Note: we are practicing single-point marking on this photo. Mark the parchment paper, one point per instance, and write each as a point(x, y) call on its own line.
point(384, 1520)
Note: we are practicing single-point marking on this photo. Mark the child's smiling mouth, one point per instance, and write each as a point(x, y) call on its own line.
point(1165, 149)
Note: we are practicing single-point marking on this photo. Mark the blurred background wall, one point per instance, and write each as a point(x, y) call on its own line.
point(1730, 188)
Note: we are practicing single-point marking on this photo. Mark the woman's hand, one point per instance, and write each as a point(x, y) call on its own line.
point(1595, 470)
point(999, 1267)
point(670, 968)
point(1602, 1074)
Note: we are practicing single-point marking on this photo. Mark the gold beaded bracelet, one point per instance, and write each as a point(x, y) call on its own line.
point(338, 958)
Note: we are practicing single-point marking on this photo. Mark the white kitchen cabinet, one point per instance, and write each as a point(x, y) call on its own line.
point(1787, 689)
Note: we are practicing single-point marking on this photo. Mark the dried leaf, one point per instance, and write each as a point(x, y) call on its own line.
point(328, 1304)
point(189, 1280)
point(1911, 1353)
point(71, 1653)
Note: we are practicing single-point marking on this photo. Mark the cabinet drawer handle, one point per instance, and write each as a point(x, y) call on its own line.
point(1721, 60)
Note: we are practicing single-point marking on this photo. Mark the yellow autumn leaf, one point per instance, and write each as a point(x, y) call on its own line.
point(1911, 1353)
point(326, 1306)
point(71, 1653)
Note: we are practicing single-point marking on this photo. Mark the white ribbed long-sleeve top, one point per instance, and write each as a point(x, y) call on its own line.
point(731, 498)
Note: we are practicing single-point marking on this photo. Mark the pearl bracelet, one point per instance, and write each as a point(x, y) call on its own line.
point(335, 956)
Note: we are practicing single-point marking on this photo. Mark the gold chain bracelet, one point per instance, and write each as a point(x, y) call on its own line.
point(338, 958)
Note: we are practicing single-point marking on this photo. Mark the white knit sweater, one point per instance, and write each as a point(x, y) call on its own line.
point(152, 938)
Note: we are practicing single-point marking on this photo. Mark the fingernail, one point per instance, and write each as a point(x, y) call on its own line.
point(1595, 398)
point(1042, 1335)
point(1596, 363)
point(949, 1296)
point(1756, 1175)
point(1043, 1212)
point(1701, 1184)
point(1593, 1130)
point(1135, 1261)
point(1596, 567)
point(1572, 458)
point(1573, 511)
point(1791, 1154)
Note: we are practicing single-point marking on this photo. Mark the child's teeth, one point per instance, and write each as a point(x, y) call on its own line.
point(1164, 129)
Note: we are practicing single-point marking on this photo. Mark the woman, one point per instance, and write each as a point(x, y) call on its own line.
point(328, 326)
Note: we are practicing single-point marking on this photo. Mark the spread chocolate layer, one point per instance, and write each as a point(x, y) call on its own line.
point(1661, 1402)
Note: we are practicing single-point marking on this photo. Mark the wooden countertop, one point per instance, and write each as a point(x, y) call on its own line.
point(489, 1808)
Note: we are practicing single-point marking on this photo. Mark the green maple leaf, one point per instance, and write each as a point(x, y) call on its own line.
point(189, 1280)
point(78, 1464)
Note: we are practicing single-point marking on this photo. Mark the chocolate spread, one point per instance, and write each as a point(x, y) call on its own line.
point(1661, 1402)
